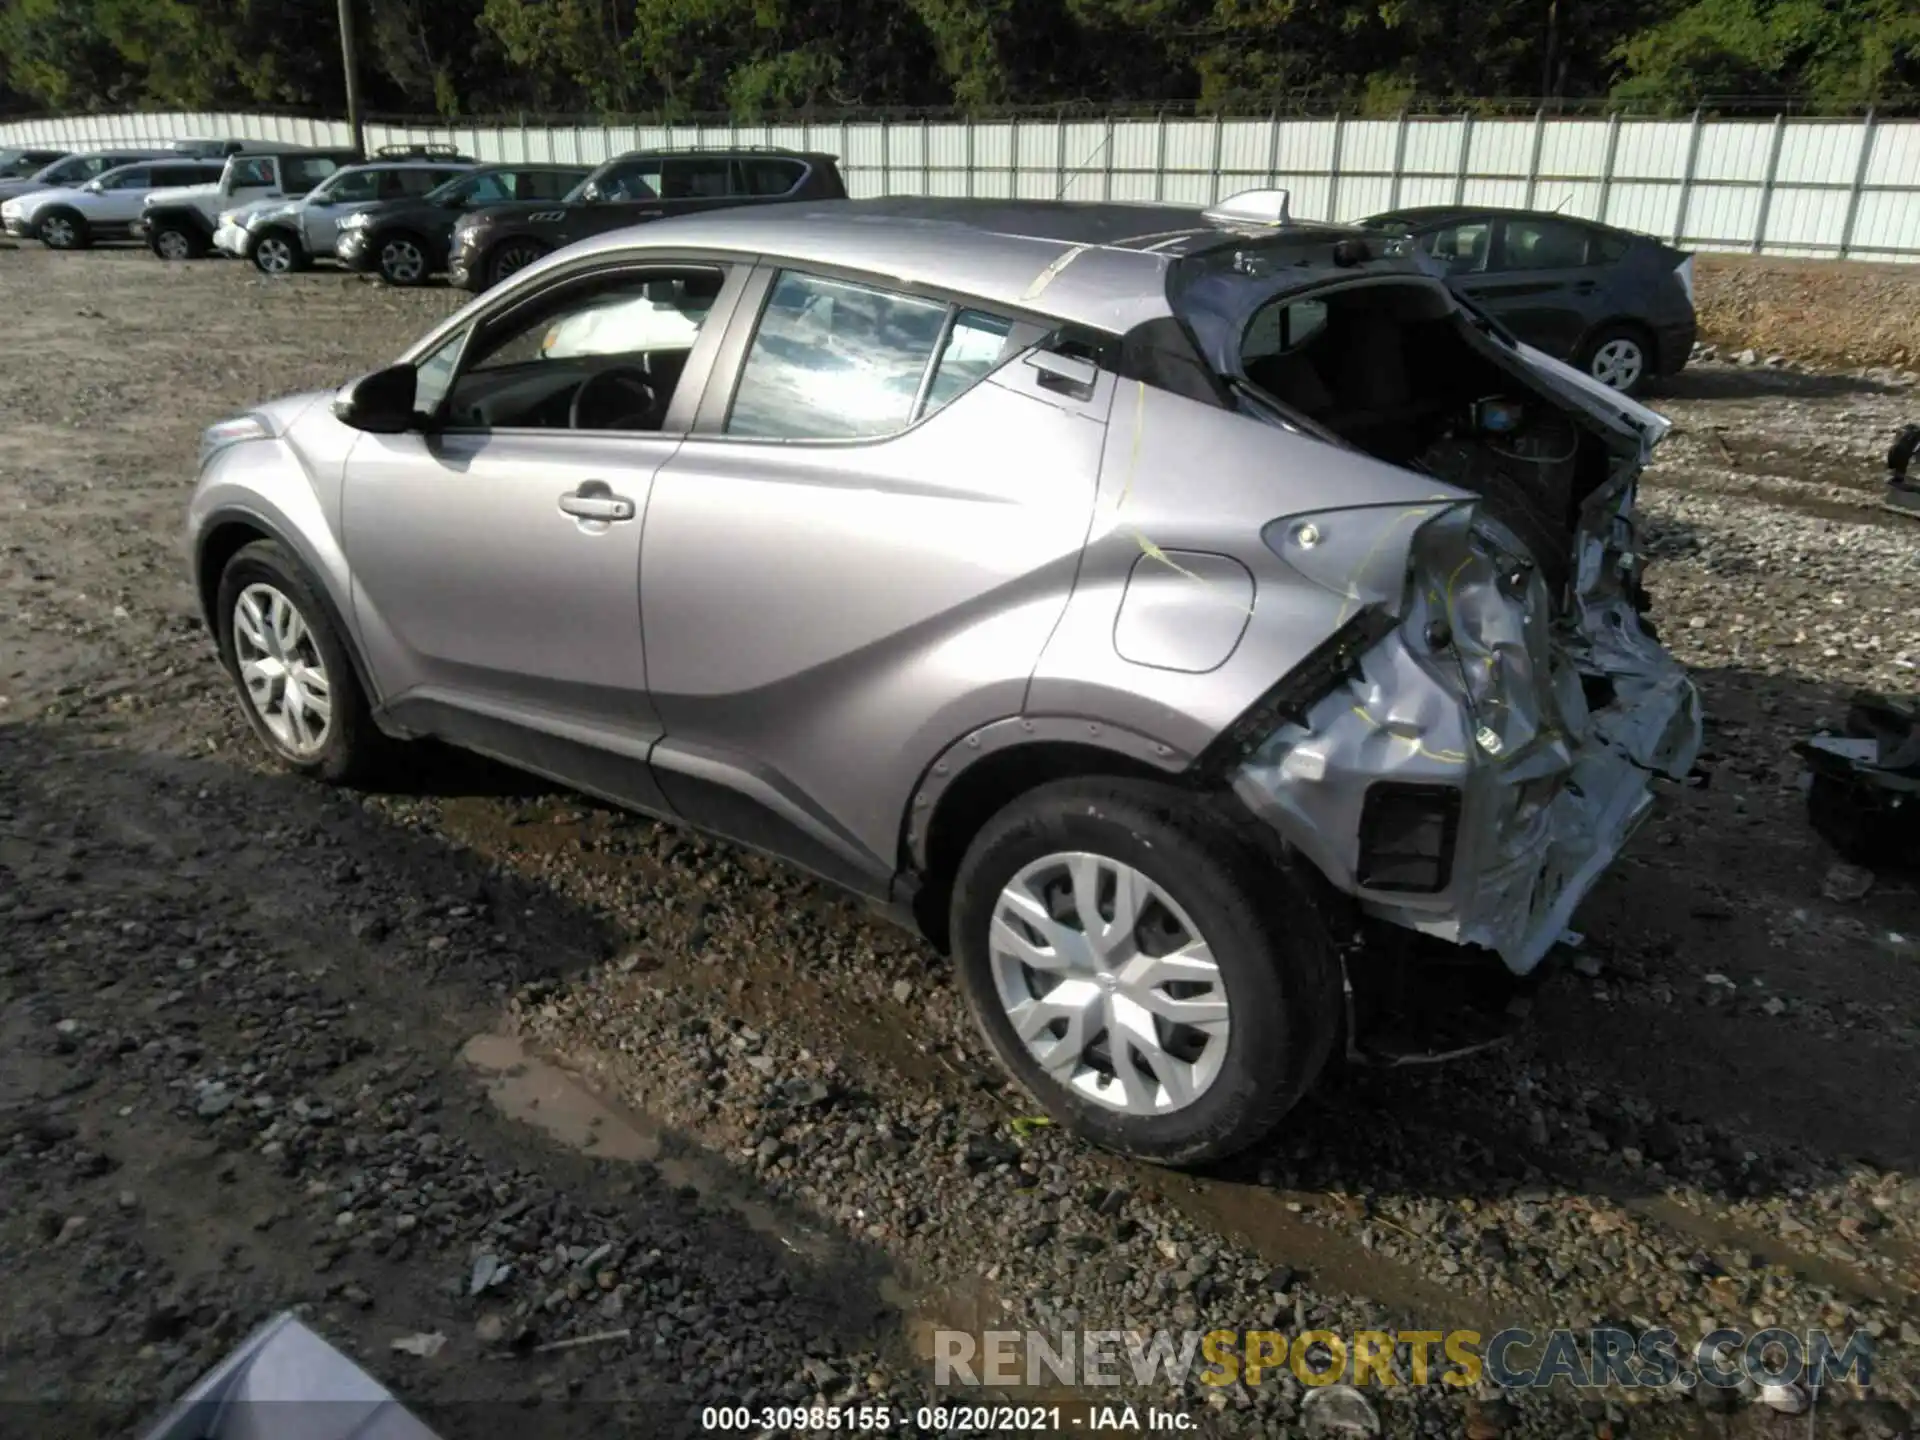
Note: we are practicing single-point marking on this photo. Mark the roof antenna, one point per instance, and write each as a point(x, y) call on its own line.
point(1564, 199)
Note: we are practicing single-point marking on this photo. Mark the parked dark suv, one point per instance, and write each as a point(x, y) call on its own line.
point(641, 185)
point(1617, 304)
point(406, 240)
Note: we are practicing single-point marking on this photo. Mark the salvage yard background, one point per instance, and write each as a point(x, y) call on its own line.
point(238, 1067)
point(1847, 187)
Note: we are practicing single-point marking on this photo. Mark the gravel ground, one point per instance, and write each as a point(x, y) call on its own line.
point(486, 1063)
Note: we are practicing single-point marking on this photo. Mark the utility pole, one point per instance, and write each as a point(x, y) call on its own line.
point(350, 57)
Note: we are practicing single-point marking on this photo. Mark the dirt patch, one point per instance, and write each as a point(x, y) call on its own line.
point(1819, 312)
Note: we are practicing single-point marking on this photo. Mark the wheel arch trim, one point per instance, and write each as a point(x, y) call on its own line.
point(206, 582)
point(1013, 732)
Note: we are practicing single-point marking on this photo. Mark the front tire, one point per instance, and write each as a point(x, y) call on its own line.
point(277, 252)
point(402, 259)
point(1187, 1013)
point(65, 229)
point(510, 257)
point(296, 682)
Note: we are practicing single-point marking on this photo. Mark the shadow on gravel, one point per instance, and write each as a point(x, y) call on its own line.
point(278, 988)
point(1717, 382)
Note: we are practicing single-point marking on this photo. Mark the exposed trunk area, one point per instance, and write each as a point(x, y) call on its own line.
point(1392, 369)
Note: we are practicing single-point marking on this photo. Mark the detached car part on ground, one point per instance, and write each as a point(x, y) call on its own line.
point(994, 568)
point(285, 1381)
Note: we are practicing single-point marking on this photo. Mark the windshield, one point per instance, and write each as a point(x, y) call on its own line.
point(577, 193)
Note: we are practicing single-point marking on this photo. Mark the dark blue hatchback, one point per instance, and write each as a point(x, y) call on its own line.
point(1617, 304)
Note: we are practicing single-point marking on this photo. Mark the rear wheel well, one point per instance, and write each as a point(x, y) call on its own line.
point(985, 788)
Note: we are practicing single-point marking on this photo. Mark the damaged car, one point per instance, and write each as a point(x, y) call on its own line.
point(1159, 610)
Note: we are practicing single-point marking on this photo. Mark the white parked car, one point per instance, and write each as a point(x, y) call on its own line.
point(103, 208)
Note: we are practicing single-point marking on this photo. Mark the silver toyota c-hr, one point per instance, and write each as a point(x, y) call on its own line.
point(1154, 607)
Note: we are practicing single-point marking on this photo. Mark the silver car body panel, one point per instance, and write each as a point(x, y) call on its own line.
point(285, 1383)
point(807, 645)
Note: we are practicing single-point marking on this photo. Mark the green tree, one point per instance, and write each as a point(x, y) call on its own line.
point(1831, 52)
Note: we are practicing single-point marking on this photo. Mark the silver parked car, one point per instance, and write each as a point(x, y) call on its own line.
point(1153, 607)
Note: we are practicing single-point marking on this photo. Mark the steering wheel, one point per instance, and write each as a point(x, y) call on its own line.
point(620, 398)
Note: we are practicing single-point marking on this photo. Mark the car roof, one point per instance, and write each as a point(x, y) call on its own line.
point(722, 152)
point(1441, 214)
point(555, 165)
point(1097, 263)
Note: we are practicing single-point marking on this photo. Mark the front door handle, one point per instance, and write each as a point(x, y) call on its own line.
point(595, 501)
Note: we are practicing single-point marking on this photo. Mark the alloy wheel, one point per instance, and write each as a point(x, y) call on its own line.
point(282, 670)
point(273, 255)
point(401, 262)
point(172, 245)
point(1109, 983)
point(57, 231)
point(1618, 363)
point(513, 258)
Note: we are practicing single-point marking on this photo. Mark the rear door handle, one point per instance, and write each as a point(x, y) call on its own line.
point(594, 501)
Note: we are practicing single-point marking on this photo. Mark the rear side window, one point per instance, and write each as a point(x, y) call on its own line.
point(698, 179)
point(304, 172)
point(1463, 248)
point(1607, 247)
point(833, 360)
point(768, 177)
point(1544, 243)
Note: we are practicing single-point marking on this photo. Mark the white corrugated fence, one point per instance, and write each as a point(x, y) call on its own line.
point(1783, 186)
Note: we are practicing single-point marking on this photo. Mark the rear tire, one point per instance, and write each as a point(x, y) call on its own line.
point(280, 649)
point(65, 229)
point(1619, 356)
point(1271, 1000)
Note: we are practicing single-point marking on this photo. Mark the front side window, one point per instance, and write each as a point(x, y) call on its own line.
point(628, 180)
point(350, 188)
point(832, 360)
point(251, 173)
point(699, 179)
point(543, 184)
point(138, 178)
point(1544, 244)
point(410, 184)
point(605, 355)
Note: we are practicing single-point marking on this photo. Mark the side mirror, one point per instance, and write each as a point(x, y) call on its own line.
point(380, 403)
point(1064, 372)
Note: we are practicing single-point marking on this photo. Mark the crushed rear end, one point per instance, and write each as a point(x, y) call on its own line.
point(1470, 750)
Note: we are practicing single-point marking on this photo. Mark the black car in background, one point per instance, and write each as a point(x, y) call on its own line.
point(406, 241)
point(1617, 304)
point(641, 185)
